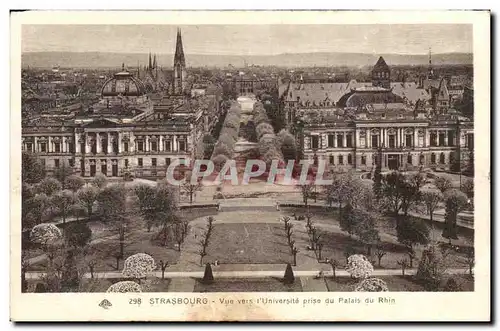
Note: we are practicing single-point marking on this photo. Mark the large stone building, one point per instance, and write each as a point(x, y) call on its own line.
point(127, 131)
point(397, 122)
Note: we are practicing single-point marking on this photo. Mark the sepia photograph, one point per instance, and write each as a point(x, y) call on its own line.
point(287, 163)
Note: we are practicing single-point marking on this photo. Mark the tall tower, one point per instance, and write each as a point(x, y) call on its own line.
point(430, 73)
point(179, 82)
point(381, 74)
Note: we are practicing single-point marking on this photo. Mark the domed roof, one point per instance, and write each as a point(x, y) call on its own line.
point(123, 83)
point(368, 95)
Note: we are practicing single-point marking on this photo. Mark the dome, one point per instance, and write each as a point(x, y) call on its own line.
point(123, 83)
point(368, 95)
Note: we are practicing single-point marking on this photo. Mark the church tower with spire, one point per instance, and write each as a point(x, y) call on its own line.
point(179, 81)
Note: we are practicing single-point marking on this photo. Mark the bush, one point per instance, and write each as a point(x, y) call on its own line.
point(431, 268)
point(77, 234)
point(264, 128)
point(45, 233)
point(208, 276)
point(371, 285)
point(124, 287)
point(288, 278)
point(452, 286)
point(219, 161)
point(359, 266)
point(138, 265)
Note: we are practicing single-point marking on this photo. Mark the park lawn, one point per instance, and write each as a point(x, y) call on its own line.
point(255, 243)
point(138, 241)
point(394, 283)
point(248, 285)
point(99, 285)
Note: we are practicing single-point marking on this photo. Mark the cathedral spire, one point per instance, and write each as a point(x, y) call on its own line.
point(150, 64)
point(179, 51)
point(154, 61)
point(431, 71)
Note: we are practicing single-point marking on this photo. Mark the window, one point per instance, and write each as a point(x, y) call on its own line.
point(29, 147)
point(433, 158)
point(340, 141)
point(409, 159)
point(140, 146)
point(375, 141)
point(139, 162)
point(441, 158)
point(167, 145)
point(43, 147)
point(82, 148)
point(153, 162)
point(125, 146)
point(441, 139)
point(341, 159)
point(154, 146)
point(104, 146)
point(451, 138)
point(470, 141)
point(422, 158)
point(71, 147)
point(349, 140)
point(332, 159)
point(57, 147)
point(331, 140)
point(363, 160)
point(182, 146)
point(392, 141)
point(126, 163)
point(409, 140)
point(349, 159)
point(167, 162)
point(314, 142)
point(56, 163)
point(433, 141)
point(71, 163)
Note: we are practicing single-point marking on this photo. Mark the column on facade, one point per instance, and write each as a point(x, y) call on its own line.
point(146, 148)
point(119, 142)
point(174, 143)
point(427, 138)
point(98, 142)
point(357, 138)
point(344, 139)
point(415, 137)
point(35, 142)
point(78, 149)
point(160, 143)
point(49, 145)
point(446, 138)
point(335, 139)
point(402, 137)
point(368, 142)
point(110, 145)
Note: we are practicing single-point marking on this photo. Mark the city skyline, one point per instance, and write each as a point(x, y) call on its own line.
point(237, 40)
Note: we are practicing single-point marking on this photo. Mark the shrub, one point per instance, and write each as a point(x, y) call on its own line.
point(288, 278)
point(138, 265)
point(431, 268)
point(45, 233)
point(77, 234)
point(359, 266)
point(219, 161)
point(208, 276)
point(371, 285)
point(124, 287)
point(264, 128)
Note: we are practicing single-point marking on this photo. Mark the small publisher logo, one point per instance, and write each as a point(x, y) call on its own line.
point(105, 304)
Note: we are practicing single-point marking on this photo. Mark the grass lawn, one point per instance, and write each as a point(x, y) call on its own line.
point(248, 285)
point(101, 285)
point(138, 241)
point(248, 243)
point(394, 283)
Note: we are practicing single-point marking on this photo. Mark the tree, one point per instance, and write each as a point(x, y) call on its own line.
point(377, 177)
point(69, 274)
point(443, 184)
point(470, 259)
point(144, 193)
point(431, 268)
point(38, 206)
point(100, 181)
point(371, 285)
point(77, 234)
point(431, 201)
point(401, 192)
point(348, 221)
point(380, 252)
point(32, 170)
point(295, 251)
point(358, 266)
point(334, 264)
point(467, 188)
point(161, 210)
point(288, 145)
point(403, 263)
point(411, 232)
point(365, 228)
point(307, 191)
point(74, 183)
point(138, 266)
point(191, 189)
point(452, 285)
point(288, 278)
point(62, 174)
point(180, 232)
point(63, 201)
point(455, 202)
point(208, 276)
point(87, 196)
point(49, 186)
point(112, 203)
point(125, 287)
point(163, 266)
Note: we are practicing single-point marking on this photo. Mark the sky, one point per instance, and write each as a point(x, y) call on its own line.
point(250, 39)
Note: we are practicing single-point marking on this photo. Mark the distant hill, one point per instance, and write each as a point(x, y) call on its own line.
point(107, 60)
